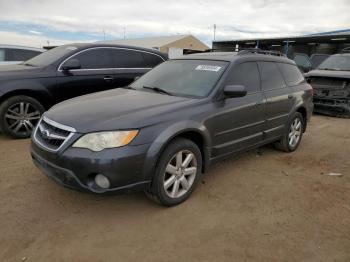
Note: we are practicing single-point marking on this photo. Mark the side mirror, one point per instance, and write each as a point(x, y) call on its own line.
point(71, 64)
point(235, 91)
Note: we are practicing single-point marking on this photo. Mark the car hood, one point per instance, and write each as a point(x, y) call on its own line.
point(18, 71)
point(116, 109)
point(328, 73)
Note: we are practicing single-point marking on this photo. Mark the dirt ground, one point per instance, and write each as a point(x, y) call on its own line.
point(263, 206)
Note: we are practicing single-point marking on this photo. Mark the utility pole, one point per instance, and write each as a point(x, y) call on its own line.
point(124, 30)
point(214, 31)
point(104, 34)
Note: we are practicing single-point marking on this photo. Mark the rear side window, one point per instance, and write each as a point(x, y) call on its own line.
point(291, 74)
point(151, 60)
point(271, 77)
point(21, 55)
point(123, 58)
point(246, 74)
point(95, 59)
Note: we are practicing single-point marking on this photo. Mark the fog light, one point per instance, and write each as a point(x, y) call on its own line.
point(102, 181)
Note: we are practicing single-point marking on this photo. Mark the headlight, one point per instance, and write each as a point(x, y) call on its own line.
point(103, 140)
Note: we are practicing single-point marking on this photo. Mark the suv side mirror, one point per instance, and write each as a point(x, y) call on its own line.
point(71, 64)
point(235, 91)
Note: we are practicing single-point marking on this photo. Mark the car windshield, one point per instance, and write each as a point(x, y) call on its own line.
point(341, 63)
point(49, 57)
point(189, 78)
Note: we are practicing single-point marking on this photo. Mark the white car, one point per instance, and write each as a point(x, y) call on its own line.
point(13, 54)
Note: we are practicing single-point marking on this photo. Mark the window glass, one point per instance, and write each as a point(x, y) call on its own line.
point(124, 58)
point(271, 77)
point(336, 62)
point(246, 74)
point(48, 57)
point(291, 74)
point(189, 78)
point(21, 55)
point(151, 60)
point(97, 58)
point(2, 54)
point(302, 60)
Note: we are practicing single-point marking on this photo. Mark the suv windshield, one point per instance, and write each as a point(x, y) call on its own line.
point(337, 62)
point(191, 78)
point(48, 57)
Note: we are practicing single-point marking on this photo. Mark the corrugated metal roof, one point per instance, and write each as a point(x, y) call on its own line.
point(148, 42)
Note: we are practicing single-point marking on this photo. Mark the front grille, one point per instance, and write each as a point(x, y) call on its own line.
point(52, 135)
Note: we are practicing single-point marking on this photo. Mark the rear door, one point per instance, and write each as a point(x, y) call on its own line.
point(279, 99)
point(96, 74)
point(131, 63)
point(239, 122)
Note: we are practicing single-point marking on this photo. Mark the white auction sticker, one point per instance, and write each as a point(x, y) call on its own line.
point(208, 68)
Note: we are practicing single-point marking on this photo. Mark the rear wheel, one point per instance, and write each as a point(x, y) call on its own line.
point(177, 173)
point(292, 138)
point(19, 115)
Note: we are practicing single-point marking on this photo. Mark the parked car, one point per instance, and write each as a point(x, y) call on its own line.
point(28, 89)
point(14, 54)
point(166, 128)
point(331, 83)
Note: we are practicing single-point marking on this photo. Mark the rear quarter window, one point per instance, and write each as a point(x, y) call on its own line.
point(291, 74)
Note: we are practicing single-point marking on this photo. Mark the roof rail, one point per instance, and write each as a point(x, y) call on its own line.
point(345, 50)
point(246, 51)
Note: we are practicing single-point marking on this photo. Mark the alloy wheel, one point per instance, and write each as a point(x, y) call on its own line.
point(294, 132)
point(180, 173)
point(22, 117)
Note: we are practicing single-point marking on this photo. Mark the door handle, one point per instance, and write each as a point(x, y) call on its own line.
point(108, 78)
point(290, 96)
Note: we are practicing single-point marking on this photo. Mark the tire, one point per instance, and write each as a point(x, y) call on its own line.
point(19, 115)
point(168, 177)
point(295, 130)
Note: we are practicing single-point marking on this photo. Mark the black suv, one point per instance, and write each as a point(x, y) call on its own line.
point(331, 83)
point(160, 133)
point(30, 88)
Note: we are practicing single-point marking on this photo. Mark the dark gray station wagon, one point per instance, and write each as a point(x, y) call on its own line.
point(162, 132)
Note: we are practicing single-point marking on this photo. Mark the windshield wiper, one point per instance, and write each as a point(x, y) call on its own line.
point(158, 90)
point(129, 87)
point(28, 64)
point(330, 69)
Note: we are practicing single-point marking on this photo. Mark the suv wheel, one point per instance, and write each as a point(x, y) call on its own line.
point(177, 173)
point(19, 115)
point(292, 138)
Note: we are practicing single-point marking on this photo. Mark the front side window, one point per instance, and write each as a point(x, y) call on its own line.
point(190, 78)
point(246, 74)
point(124, 58)
point(337, 62)
point(152, 60)
point(291, 74)
point(271, 77)
point(97, 58)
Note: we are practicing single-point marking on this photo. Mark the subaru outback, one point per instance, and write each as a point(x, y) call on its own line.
point(162, 132)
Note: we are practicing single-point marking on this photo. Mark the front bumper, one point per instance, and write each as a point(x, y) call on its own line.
point(76, 168)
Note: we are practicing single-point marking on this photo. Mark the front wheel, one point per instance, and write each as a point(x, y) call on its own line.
point(19, 115)
point(292, 137)
point(177, 173)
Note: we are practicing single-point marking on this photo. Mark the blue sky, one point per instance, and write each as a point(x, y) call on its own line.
point(34, 22)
